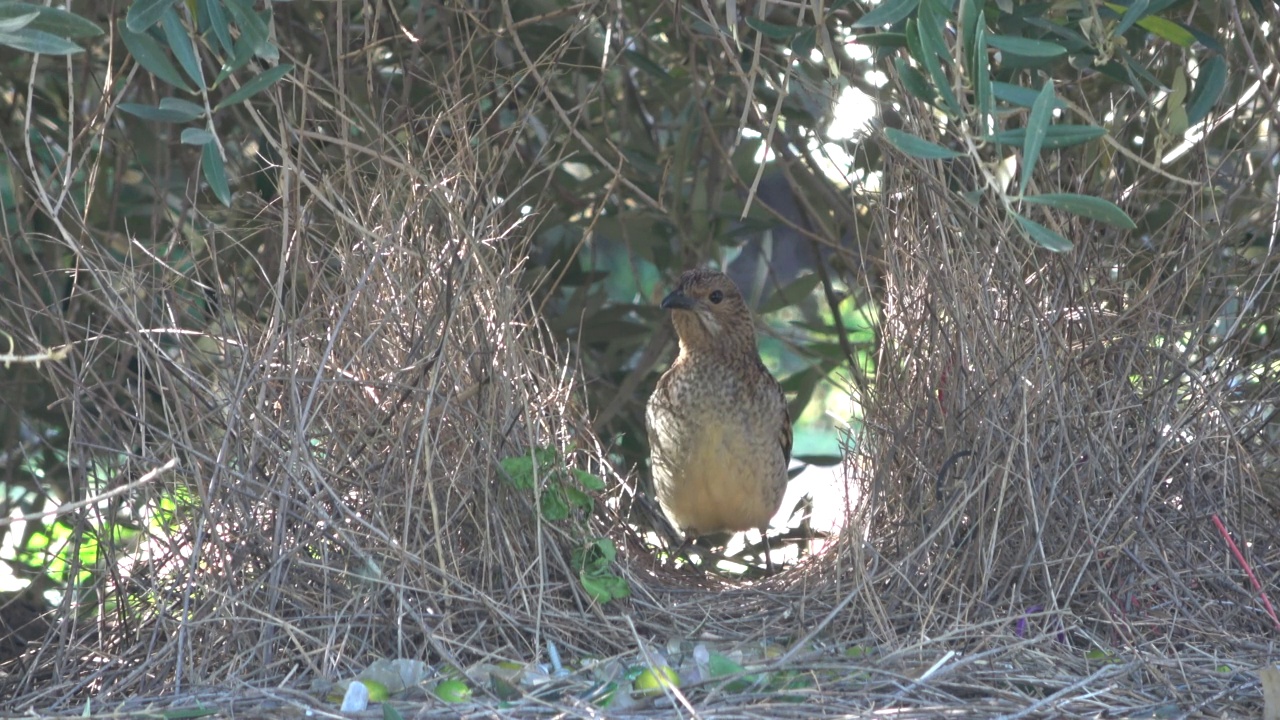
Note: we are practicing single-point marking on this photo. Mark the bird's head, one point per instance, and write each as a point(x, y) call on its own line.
point(710, 313)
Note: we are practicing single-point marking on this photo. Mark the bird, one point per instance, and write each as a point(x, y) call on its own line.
point(717, 421)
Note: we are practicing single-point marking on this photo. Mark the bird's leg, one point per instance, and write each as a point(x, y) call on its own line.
point(684, 546)
point(764, 540)
point(688, 548)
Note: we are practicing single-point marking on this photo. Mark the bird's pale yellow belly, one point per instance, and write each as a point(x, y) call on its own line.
point(718, 484)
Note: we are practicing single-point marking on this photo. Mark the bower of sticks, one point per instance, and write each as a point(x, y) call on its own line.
point(1064, 485)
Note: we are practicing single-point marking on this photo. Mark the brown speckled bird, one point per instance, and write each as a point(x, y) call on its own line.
point(719, 432)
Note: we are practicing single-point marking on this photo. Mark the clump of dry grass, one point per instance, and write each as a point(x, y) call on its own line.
point(1056, 434)
point(338, 427)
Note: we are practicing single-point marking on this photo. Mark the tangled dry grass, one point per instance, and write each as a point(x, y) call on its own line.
point(1047, 446)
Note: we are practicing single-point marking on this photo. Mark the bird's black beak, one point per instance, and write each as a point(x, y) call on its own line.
point(677, 300)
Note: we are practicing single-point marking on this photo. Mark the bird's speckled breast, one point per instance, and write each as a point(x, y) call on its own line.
point(717, 467)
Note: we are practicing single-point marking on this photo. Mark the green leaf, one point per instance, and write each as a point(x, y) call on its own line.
point(887, 13)
point(1020, 96)
point(603, 588)
point(170, 110)
point(917, 147)
point(184, 106)
point(801, 385)
point(1207, 40)
point(389, 711)
point(1167, 29)
point(267, 50)
point(592, 563)
point(54, 21)
point(1088, 206)
point(17, 22)
point(180, 43)
point(1025, 47)
point(243, 54)
point(1058, 136)
point(31, 40)
point(1210, 82)
point(914, 47)
point(643, 63)
point(1043, 236)
point(519, 471)
point(215, 173)
point(1037, 128)
point(1137, 10)
point(145, 13)
point(151, 56)
point(256, 85)
point(797, 290)
point(773, 31)
point(588, 480)
point(252, 28)
point(597, 555)
point(1178, 88)
point(971, 17)
point(931, 21)
point(914, 81)
point(882, 39)
point(721, 666)
point(554, 504)
point(1073, 40)
point(1178, 122)
point(981, 70)
point(946, 94)
point(805, 42)
point(578, 500)
point(146, 112)
point(1136, 70)
point(196, 136)
point(217, 20)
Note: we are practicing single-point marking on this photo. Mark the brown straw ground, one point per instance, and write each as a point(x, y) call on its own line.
point(1046, 446)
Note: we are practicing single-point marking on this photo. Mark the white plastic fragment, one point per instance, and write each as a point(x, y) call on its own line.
point(356, 699)
point(553, 652)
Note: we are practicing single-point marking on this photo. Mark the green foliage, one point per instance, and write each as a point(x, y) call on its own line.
point(1001, 44)
point(74, 553)
point(720, 666)
point(594, 564)
point(1085, 206)
point(41, 29)
point(561, 495)
point(154, 31)
point(560, 491)
point(916, 147)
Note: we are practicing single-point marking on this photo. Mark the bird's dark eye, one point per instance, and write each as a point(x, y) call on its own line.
point(715, 297)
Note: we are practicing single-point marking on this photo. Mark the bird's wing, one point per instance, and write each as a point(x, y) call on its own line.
point(784, 428)
point(784, 432)
point(658, 401)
